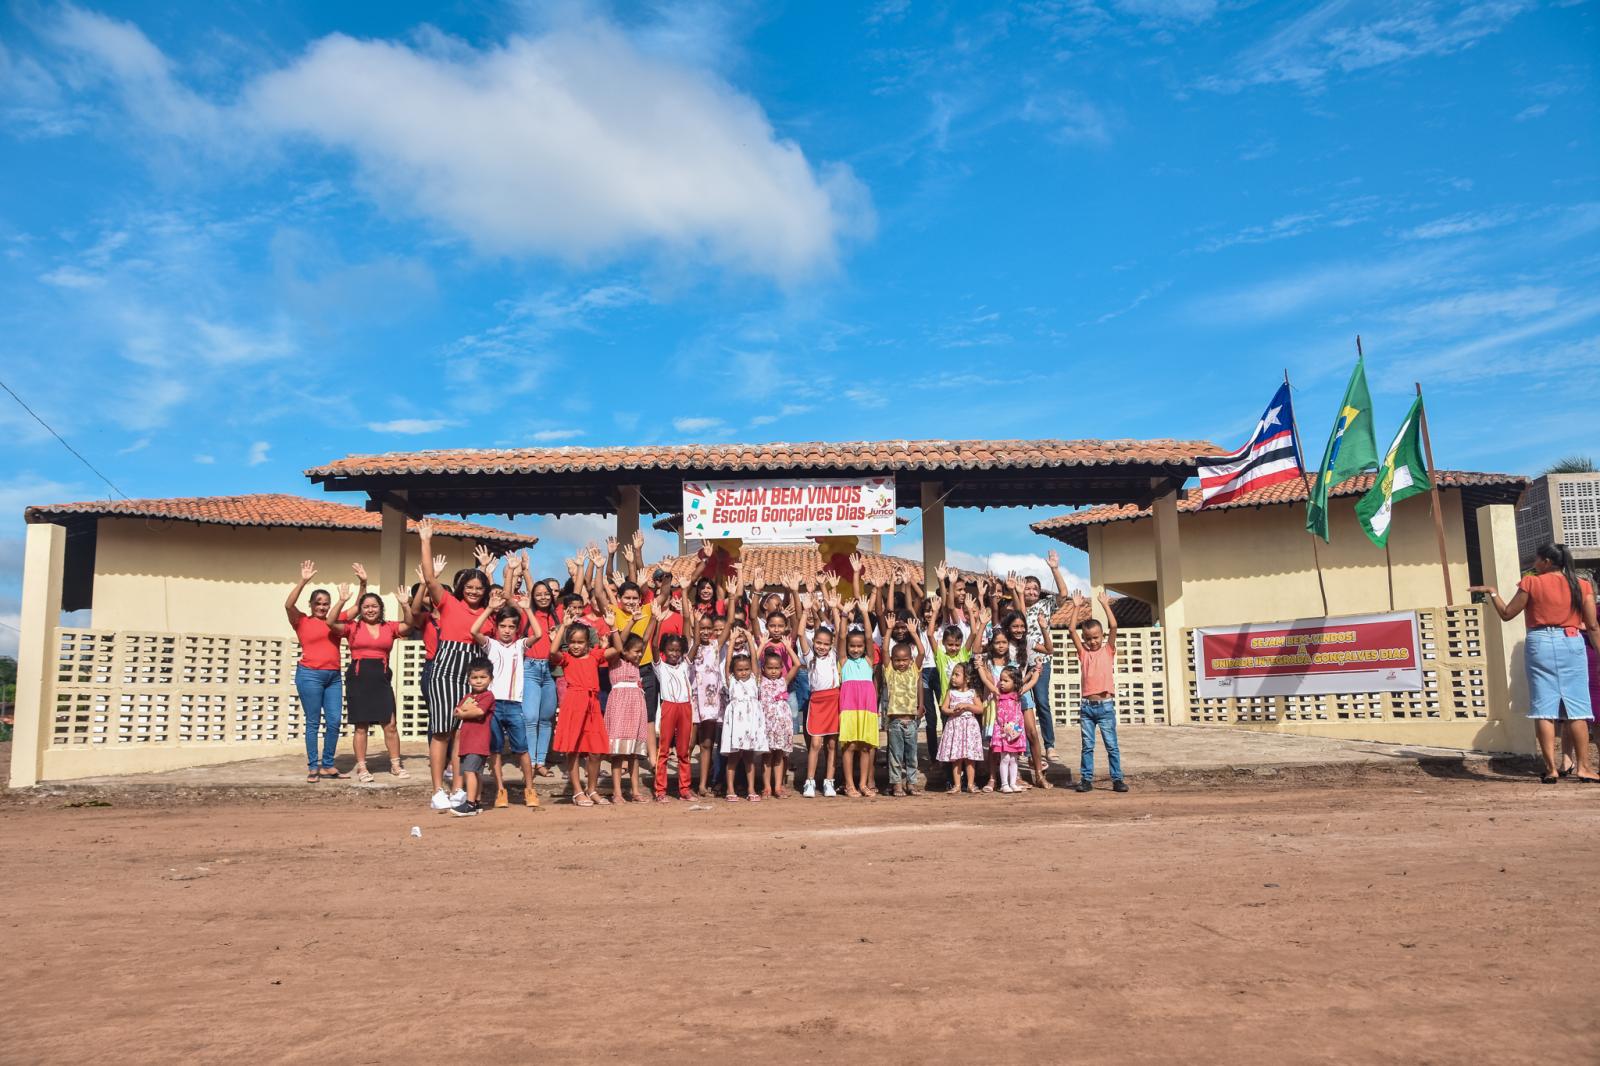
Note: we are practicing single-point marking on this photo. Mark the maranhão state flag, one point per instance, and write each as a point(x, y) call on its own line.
point(1269, 457)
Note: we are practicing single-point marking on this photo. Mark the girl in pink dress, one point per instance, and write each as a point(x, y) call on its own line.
point(626, 717)
point(1009, 738)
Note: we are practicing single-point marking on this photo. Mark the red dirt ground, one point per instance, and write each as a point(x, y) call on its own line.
point(1408, 920)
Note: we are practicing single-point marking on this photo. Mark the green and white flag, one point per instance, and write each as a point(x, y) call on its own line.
point(1402, 473)
point(1351, 449)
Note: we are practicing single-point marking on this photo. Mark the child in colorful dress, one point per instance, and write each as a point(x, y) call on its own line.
point(1010, 728)
point(822, 713)
point(580, 727)
point(626, 713)
point(858, 715)
point(774, 688)
point(744, 723)
point(676, 715)
point(961, 743)
point(705, 691)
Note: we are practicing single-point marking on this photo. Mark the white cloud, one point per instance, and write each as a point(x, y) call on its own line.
point(696, 425)
point(581, 142)
point(866, 397)
point(545, 436)
point(258, 452)
point(1459, 225)
point(10, 626)
point(1168, 10)
point(1346, 36)
point(1070, 117)
point(1531, 111)
point(410, 426)
point(205, 460)
point(70, 277)
point(29, 490)
point(762, 420)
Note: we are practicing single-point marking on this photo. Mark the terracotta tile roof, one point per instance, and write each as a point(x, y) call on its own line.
point(1284, 492)
point(811, 456)
point(1129, 611)
point(266, 509)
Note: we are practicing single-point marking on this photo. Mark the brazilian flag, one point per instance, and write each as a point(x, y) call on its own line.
point(1351, 449)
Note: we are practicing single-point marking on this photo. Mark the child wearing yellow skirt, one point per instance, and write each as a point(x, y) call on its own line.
point(858, 716)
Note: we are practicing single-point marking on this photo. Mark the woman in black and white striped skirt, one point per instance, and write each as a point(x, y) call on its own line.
point(447, 683)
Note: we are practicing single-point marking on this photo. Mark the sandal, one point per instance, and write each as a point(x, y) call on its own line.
point(363, 775)
point(581, 800)
point(754, 797)
point(312, 777)
point(399, 770)
point(731, 798)
point(601, 800)
point(333, 774)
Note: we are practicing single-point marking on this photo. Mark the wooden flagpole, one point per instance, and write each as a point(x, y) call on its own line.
point(1388, 557)
point(1433, 495)
point(1305, 476)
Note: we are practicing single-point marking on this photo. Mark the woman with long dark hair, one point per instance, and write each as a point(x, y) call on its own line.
point(1561, 615)
point(458, 608)
point(369, 682)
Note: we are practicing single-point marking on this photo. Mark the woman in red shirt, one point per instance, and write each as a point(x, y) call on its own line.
point(316, 675)
point(1561, 616)
point(458, 608)
point(370, 681)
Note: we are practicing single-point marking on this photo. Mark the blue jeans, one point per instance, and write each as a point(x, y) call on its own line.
point(903, 750)
point(322, 698)
point(930, 700)
point(539, 703)
point(1102, 713)
point(511, 725)
point(1041, 700)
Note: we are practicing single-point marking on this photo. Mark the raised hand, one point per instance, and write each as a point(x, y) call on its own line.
point(941, 572)
point(360, 572)
point(425, 528)
point(439, 563)
point(638, 542)
point(857, 562)
point(1052, 558)
point(611, 545)
point(572, 567)
point(344, 593)
point(485, 558)
point(520, 600)
point(627, 553)
point(497, 599)
point(308, 570)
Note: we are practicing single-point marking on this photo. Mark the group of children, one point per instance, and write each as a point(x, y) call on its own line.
point(645, 666)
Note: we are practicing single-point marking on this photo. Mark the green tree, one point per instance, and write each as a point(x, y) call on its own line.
point(1572, 464)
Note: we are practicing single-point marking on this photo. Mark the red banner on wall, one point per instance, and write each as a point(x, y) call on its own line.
point(1310, 656)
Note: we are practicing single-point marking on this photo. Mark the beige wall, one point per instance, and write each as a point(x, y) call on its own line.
point(1255, 565)
point(187, 577)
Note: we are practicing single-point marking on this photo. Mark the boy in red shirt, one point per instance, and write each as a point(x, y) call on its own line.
point(473, 741)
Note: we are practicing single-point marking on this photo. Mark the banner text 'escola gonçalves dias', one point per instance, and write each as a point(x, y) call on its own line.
point(788, 509)
point(1364, 653)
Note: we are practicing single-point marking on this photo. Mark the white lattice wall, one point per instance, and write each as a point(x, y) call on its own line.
point(1141, 685)
point(116, 690)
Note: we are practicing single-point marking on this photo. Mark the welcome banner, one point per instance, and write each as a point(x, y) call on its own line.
point(788, 510)
point(1310, 656)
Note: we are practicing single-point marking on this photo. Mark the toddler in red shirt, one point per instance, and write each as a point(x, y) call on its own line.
point(475, 712)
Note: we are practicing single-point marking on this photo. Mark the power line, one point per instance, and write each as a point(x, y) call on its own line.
point(63, 441)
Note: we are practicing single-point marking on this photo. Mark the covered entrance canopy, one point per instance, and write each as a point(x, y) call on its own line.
point(929, 474)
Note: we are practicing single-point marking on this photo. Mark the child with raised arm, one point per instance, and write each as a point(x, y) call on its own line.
point(1096, 647)
point(505, 653)
point(1010, 732)
point(677, 710)
point(903, 680)
point(744, 724)
point(777, 671)
point(858, 714)
point(580, 725)
point(705, 691)
point(627, 719)
point(822, 712)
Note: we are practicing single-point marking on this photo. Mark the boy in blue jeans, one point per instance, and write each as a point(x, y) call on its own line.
point(1096, 646)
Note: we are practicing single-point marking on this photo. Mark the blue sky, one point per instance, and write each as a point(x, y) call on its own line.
point(240, 240)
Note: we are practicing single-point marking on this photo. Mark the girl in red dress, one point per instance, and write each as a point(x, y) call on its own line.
point(580, 726)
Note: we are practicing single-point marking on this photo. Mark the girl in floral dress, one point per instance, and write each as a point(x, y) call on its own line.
point(774, 688)
point(1009, 737)
point(744, 723)
point(961, 744)
point(705, 692)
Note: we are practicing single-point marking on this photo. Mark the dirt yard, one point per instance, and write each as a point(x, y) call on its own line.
point(1408, 920)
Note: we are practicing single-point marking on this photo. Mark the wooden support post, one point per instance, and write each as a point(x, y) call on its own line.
point(627, 512)
point(932, 534)
point(1169, 606)
point(1502, 641)
point(43, 563)
point(391, 575)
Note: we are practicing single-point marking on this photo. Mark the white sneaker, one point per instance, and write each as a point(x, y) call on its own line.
point(441, 801)
point(827, 789)
point(458, 797)
point(810, 791)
